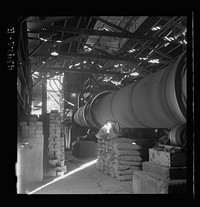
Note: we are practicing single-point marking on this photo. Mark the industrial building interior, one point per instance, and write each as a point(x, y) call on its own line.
point(101, 105)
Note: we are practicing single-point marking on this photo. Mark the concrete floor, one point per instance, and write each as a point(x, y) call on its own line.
point(86, 181)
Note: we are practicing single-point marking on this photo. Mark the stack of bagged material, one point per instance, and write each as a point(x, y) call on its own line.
point(119, 157)
point(56, 149)
point(102, 153)
point(127, 158)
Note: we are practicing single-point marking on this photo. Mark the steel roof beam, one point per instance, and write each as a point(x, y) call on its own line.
point(88, 55)
point(67, 70)
point(86, 27)
point(37, 48)
point(90, 32)
point(69, 40)
point(92, 47)
point(110, 24)
point(51, 19)
point(174, 22)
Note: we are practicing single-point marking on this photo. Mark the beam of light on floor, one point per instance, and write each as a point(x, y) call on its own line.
point(64, 176)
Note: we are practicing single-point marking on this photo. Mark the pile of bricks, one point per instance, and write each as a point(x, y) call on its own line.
point(56, 147)
point(30, 153)
point(31, 131)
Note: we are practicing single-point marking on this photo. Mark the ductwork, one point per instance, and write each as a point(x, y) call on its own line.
point(156, 101)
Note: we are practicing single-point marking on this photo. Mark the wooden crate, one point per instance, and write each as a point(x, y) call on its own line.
point(166, 157)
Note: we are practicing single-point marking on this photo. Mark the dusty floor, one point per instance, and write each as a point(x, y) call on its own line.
point(86, 181)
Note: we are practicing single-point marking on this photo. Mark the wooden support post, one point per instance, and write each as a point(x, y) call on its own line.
point(45, 119)
point(44, 94)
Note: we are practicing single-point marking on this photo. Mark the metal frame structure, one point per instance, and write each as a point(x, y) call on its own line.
point(84, 46)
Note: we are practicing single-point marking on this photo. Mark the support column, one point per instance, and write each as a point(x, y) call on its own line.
point(45, 120)
point(44, 94)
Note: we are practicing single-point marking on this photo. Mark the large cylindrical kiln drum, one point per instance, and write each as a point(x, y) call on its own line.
point(157, 101)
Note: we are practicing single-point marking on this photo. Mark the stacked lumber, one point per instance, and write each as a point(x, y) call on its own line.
point(118, 157)
point(56, 148)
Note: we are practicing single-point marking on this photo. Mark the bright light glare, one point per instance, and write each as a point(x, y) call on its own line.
point(155, 28)
point(70, 103)
point(154, 61)
point(54, 54)
point(64, 176)
point(43, 39)
point(108, 127)
point(132, 50)
point(116, 82)
point(73, 94)
point(166, 44)
point(134, 74)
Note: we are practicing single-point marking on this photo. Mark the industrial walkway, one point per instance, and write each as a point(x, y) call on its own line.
point(85, 178)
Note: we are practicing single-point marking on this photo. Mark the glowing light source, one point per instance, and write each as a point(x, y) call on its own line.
point(73, 94)
point(70, 103)
point(154, 61)
point(143, 58)
point(103, 29)
point(70, 66)
point(107, 126)
point(77, 64)
point(43, 39)
point(116, 82)
point(106, 79)
point(58, 41)
point(54, 53)
point(132, 50)
point(155, 28)
point(87, 49)
point(166, 44)
point(134, 74)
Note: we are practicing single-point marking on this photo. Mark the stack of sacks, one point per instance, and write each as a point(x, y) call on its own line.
point(119, 157)
point(127, 158)
point(56, 149)
point(102, 153)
